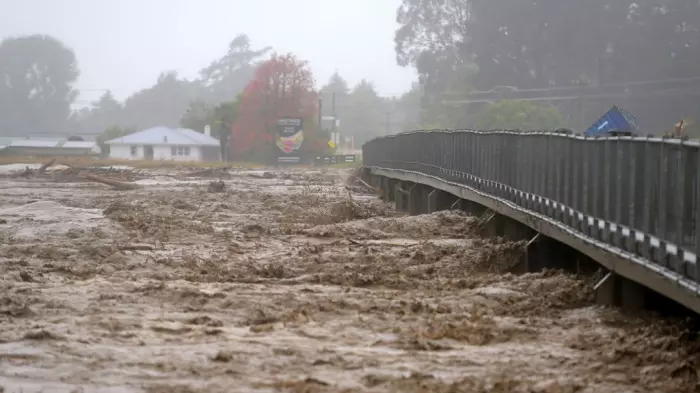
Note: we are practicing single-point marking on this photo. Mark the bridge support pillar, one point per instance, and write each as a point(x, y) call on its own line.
point(390, 187)
point(416, 194)
point(617, 291)
point(439, 200)
point(385, 190)
point(493, 224)
point(472, 208)
point(542, 252)
point(400, 197)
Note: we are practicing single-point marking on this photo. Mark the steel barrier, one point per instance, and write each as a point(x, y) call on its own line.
point(638, 194)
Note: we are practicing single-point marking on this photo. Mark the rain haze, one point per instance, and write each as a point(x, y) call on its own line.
point(349, 196)
point(124, 45)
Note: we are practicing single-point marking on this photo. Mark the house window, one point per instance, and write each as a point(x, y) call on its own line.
point(182, 151)
point(134, 151)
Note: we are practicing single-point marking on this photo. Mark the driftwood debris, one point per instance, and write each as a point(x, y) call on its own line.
point(114, 183)
point(136, 247)
point(210, 172)
point(45, 166)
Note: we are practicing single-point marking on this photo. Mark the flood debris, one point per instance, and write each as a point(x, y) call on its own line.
point(119, 185)
point(54, 170)
point(216, 186)
point(211, 172)
point(296, 281)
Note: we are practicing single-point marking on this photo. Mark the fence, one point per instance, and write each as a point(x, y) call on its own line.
point(639, 194)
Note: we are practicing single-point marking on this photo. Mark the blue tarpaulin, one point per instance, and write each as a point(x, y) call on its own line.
point(615, 120)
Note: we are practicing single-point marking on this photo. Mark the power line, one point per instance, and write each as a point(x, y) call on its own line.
point(575, 87)
point(638, 95)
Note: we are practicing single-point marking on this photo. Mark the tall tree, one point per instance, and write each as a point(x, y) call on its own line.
point(105, 112)
point(282, 86)
point(198, 115)
point(336, 84)
point(111, 132)
point(162, 104)
point(220, 118)
point(409, 108)
point(519, 115)
point(336, 89)
point(37, 73)
point(366, 113)
point(226, 77)
point(541, 43)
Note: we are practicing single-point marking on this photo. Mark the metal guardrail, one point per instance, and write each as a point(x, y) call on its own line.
point(640, 195)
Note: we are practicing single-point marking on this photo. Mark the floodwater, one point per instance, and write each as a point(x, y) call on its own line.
point(293, 282)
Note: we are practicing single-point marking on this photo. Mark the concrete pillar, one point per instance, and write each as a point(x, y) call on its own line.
point(425, 199)
point(617, 291)
point(473, 208)
point(490, 224)
point(386, 189)
point(523, 263)
point(542, 252)
point(632, 295)
point(400, 197)
point(439, 200)
point(606, 290)
point(391, 186)
point(415, 204)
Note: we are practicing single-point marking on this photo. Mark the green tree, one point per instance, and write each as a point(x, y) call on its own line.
point(197, 116)
point(37, 73)
point(535, 43)
point(339, 86)
point(409, 108)
point(519, 115)
point(220, 117)
point(105, 112)
point(226, 77)
point(163, 104)
point(110, 133)
point(365, 116)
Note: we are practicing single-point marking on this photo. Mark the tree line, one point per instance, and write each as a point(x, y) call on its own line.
point(40, 73)
point(458, 46)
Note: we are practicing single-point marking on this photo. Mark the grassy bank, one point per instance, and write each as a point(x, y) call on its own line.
point(151, 164)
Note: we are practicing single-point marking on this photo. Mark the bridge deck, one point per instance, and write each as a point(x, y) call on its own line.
point(638, 223)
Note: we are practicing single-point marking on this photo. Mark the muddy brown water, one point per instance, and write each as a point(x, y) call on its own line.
point(291, 283)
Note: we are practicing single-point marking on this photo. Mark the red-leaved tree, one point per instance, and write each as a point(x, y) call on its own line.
point(282, 86)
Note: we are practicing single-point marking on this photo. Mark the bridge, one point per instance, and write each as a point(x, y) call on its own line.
point(623, 207)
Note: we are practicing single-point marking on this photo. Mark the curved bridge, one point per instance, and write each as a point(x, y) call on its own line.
point(630, 204)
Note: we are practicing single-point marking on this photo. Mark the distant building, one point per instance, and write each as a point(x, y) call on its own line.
point(51, 148)
point(163, 143)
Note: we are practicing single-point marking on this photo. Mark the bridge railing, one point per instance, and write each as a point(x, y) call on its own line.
point(640, 195)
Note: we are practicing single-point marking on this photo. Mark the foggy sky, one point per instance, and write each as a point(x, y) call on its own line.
point(123, 45)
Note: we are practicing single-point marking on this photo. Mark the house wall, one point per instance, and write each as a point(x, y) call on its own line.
point(164, 152)
point(160, 152)
point(123, 152)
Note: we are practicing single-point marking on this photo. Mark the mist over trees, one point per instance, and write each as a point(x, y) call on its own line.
point(530, 44)
point(457, 47)
point(36, 84)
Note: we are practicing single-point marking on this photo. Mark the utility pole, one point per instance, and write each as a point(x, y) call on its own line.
point(333, 110)
point(388, 123)
point(334, 136)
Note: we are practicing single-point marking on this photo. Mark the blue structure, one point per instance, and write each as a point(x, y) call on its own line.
point(614, 121)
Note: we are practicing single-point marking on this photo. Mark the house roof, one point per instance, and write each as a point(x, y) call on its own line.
point(33, 143)
point(166, 136)
point(79, 144)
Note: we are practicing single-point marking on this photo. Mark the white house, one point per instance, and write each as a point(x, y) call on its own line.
point(163, 143)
